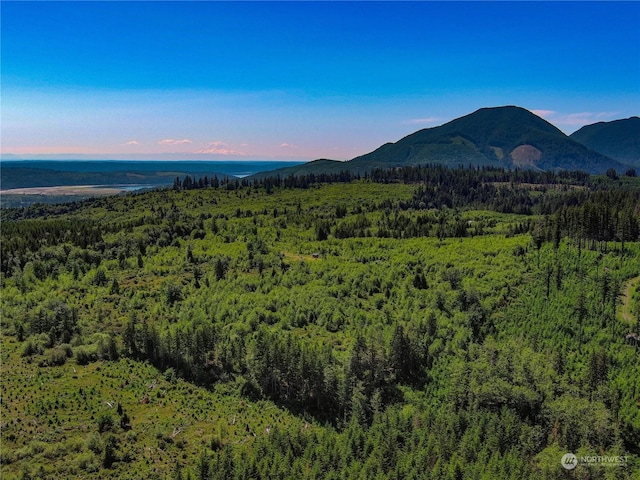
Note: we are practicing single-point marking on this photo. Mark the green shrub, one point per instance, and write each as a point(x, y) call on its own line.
point(7, 456)
point(35, 345)
point(56, 356)
point(68, 350)
point(29, 348)
point(94, 443)
point(75, 445)
point(100, 278)
point(170, 375)
point(105, 423)
point(37, 447)
point(24, 452)
point(86, 354)
point(110, 450)
point(54, 451)
point(131, 437)
point(173, 294)
point(87, 461)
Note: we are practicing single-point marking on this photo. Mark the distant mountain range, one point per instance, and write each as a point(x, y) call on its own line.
point(509, 137)
point(619, 139)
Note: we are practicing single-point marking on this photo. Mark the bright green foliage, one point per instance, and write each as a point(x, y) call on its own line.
point(335, 331)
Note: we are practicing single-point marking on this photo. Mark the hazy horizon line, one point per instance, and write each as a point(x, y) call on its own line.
point(110, 158)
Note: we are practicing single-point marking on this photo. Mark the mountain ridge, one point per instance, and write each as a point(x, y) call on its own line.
point(617, 139)
point(505, 136)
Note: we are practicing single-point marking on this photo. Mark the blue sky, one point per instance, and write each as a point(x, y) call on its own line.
point(300, 80)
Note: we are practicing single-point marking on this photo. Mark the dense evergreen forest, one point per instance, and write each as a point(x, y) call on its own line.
point(417, 322)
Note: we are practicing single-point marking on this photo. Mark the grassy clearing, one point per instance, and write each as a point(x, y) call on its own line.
point(51, 416)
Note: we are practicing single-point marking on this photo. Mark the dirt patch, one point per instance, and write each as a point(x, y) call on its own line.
point(525, 155)
point(625, 309)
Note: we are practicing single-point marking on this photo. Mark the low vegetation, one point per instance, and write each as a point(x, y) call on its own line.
point(415, 322)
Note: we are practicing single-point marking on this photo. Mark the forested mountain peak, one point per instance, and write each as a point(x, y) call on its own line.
point(618, 139)
point(507, 136)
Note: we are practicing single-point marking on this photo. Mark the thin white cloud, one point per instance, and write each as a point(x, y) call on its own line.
point(421, 121)
point(578, 119)
point(543, 113)
point(132, 142)
point(220, 148)
point(586, 118)
point(171, 141)
point(288, 145)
